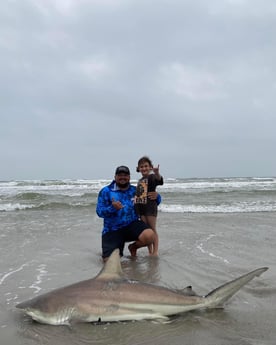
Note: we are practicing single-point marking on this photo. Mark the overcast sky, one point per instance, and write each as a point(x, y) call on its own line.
point(87, 85)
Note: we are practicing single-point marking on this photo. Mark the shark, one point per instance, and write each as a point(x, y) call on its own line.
point(111, 297)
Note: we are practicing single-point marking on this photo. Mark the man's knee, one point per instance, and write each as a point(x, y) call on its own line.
point(147, 236)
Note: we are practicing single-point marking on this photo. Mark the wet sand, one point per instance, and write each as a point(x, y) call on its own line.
point(42, 251)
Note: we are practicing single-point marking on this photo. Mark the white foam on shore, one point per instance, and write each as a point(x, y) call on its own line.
point(223, 208)
point(14, 207)
point(41, 273)
point(201, 246)
point(8, 274)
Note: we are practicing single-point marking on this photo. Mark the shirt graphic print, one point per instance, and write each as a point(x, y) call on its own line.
point(141, 191)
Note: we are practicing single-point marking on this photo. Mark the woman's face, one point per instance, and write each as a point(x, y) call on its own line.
point(145, 169)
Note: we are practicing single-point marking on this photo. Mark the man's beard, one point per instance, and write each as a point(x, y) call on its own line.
point(122, 185)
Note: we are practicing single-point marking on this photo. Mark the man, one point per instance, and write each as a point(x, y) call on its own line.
point(121, 224)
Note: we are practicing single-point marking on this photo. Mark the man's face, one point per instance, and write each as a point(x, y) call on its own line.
point(122, 180)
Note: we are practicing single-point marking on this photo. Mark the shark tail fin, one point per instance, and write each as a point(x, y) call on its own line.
point(218, 296)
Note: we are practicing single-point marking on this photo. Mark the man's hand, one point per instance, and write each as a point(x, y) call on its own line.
point(117, 204)
point(152, 195)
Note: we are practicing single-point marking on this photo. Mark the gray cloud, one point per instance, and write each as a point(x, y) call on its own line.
point(86, 86)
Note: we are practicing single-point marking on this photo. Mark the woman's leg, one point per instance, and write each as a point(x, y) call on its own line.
point(150, 246)
point(151, 221)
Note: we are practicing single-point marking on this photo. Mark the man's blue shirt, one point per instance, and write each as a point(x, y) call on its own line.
point(115, 219)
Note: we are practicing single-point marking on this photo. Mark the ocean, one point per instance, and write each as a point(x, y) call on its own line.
point(211, 230)
point(213, 195)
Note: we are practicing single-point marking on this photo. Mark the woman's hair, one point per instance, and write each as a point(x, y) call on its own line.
point(144, 159)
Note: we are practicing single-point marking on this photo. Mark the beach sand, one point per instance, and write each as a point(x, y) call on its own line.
point(41, 251)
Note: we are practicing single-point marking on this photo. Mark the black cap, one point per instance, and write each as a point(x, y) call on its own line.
point(122, 170)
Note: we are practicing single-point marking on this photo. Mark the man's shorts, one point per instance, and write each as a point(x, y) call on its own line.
point(116, 239)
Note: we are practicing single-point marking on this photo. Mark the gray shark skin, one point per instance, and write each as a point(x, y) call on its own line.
point(110, 297)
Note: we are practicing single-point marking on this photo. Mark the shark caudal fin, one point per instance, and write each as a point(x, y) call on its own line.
point(218, 296)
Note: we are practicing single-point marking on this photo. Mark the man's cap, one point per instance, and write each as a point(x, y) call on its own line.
point(122, 170)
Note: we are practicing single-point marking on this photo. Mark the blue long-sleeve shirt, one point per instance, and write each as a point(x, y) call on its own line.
point(115, 219)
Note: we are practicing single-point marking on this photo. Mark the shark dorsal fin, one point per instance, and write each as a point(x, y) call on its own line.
point(112, 268)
